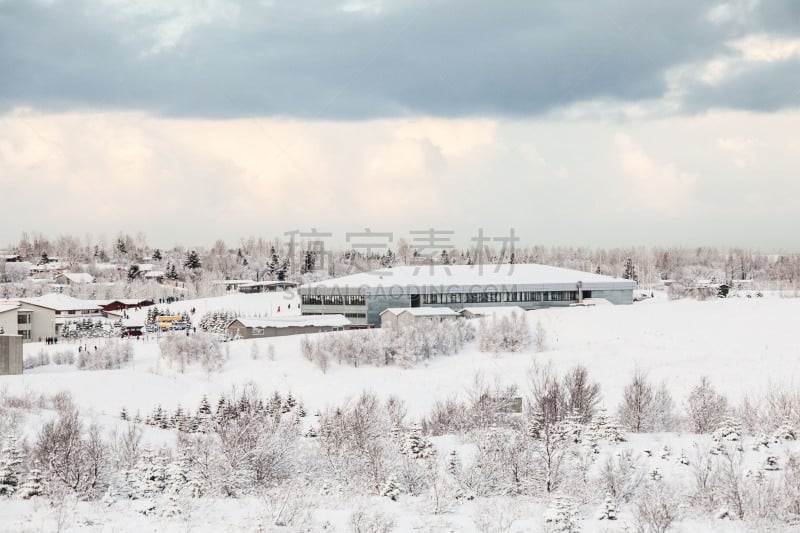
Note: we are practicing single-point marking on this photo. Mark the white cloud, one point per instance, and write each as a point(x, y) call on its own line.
point(740, 148)
point(652, 185)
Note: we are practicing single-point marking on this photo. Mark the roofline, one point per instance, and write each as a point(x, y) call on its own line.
point(382, 289)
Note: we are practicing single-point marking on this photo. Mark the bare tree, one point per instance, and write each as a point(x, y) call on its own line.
point(636, 410)
point(580, 394)
point(706, 407)
point(76, 461)
point(656, 510)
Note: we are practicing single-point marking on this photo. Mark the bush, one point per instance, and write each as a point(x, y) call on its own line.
point(404, 346)
point(110, 355)
point(198, 349)
point(706, 407)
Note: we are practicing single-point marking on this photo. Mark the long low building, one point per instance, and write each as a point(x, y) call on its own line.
point(256, 328)
point(363, 297)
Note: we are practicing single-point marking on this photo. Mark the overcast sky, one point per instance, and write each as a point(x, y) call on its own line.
point(614, 122)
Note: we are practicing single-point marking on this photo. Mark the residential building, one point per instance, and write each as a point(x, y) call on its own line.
point(403, 316)
point(51, 311)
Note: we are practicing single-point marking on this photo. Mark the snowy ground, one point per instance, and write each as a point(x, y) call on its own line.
point(743, 345)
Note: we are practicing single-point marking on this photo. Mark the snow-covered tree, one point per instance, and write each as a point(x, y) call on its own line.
point(33, 484)
point(561, 516)
point(391, 490)
point(10, 466)
point(706, 407)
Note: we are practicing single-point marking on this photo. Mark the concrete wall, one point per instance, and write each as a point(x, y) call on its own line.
point(8, 321)
point(388, 320)
point(247, 333)
point(42, 325)
point(377, 304)
point(10, 354)
point(615, 297)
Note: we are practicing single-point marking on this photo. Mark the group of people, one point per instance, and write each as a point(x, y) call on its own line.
point(49, 340)
point(85, 349)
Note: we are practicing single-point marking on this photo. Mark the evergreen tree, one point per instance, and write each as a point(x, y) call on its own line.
point(309, 261)
point(124, 413)
point(609, 511)
point(10, 466)
point(630, 271)
point(561, 515)
point(192, 260)
point(32, 486)
point(157, 255)
point(133, 272)
point(391, 490)
point(417, 446)
point(205, 408)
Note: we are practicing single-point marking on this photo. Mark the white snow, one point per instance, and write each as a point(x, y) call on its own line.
point(527, 275)
point(61, 302)
point(743, 346)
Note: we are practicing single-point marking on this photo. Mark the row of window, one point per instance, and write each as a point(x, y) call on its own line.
point(83, 312)
point(496, 297)
point(452, 298)
point(333, 299)
point(347, 315)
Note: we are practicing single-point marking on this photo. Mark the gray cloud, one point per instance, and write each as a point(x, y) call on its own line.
point(314, 60)
point(762, 87)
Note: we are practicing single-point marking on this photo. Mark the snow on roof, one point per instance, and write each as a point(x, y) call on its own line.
point(79, 277)
point(295, 321)
point(231, 281)
point(493, 310)
point(453, 277)
point(422, 311)
point(106, 266)
point(145, 267)
point(154, 274)
point(124, 301)
point(268, 283)
point(60, 302)
point(134, 322)
point(5, 307)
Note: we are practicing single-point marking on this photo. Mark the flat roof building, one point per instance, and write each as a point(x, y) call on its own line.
point(254, 328)
point(363, 297)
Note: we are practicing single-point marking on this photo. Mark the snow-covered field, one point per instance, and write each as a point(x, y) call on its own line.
point(745, 346)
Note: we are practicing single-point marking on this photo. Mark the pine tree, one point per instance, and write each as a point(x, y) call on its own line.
point(417, 446)
point(124, 413)
point(10, 465)
point(178, 472)
point(609, 511)
point(195, 488)
point(275, 404)
point(192, 260)
point(391, 490)
point(561, 515)
point(32, 486)
point(630, 270)
point(157, 255)
point(205, 407)
point(453, 464)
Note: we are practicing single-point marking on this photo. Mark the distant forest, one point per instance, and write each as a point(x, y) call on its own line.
point(119, 266)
